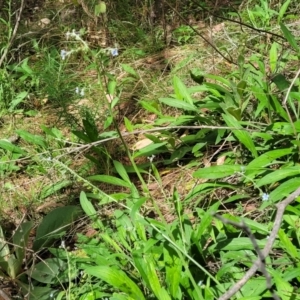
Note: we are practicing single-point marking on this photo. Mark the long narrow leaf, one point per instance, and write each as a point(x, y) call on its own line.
point(242, 135)
point(118, 279)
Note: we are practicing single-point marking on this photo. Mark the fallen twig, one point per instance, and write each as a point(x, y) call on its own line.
point(266, 251)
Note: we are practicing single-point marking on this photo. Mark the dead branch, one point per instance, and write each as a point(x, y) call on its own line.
point(243, 226)
point(268, 247)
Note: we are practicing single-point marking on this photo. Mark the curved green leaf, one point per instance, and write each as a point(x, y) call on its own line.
point(242, 135)
point(278, 175)
point(215, 172)
point(118, 279)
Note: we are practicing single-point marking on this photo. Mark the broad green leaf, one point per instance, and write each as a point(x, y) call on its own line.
point(181, 91)
point(291, 274)
point(215, 172)
point(264, 160)
point(152, 107)
point(129, 70)
point(235, 244)
point(273, 57)
point(128, 125)
point(17, 100)
point(278, 175)
point(255, 226)
point(110, 179)
point(49, 270)
point(54, 225)
point(90, 128)
point(20, 239)
point(197, 75)
point(32, 138)
point(284, 289)
point(290, 38)
point(287, 245)
point(111, 87)
point(108, 122)
point(53, 188)
point(151, 149)
point(38, 293)
point(282, 191)
point(89, 209)
point(118, 279)
point(173, 268)
point(178, 104)
point(253, 289)
point(205, 223)
point(6, 145)
point(242, 135)
point(4, 249)
point(282, 83)
point(283, 10)
point(146, 267)
point(121, 171)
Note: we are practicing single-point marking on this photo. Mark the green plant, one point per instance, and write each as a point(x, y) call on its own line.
point(15, 254)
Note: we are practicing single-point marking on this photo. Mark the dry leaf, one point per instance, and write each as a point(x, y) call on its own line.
point(221, 160)
point(142, 144)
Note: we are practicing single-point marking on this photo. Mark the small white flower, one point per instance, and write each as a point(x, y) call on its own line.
point(63, 54)
point(63, 244)
point(77, 90)
point(265, 197)
point(200, 283)
point(82, 92)
point(114, 52)
point(150, 158)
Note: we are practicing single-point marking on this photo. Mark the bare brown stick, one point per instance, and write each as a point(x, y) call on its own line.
point(238, 22)
point(243, 226)
point(3, 295)
point(13, 34)
point(266, 251)
point(228, 59)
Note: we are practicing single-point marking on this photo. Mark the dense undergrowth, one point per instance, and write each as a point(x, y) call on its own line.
point(132, 169)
